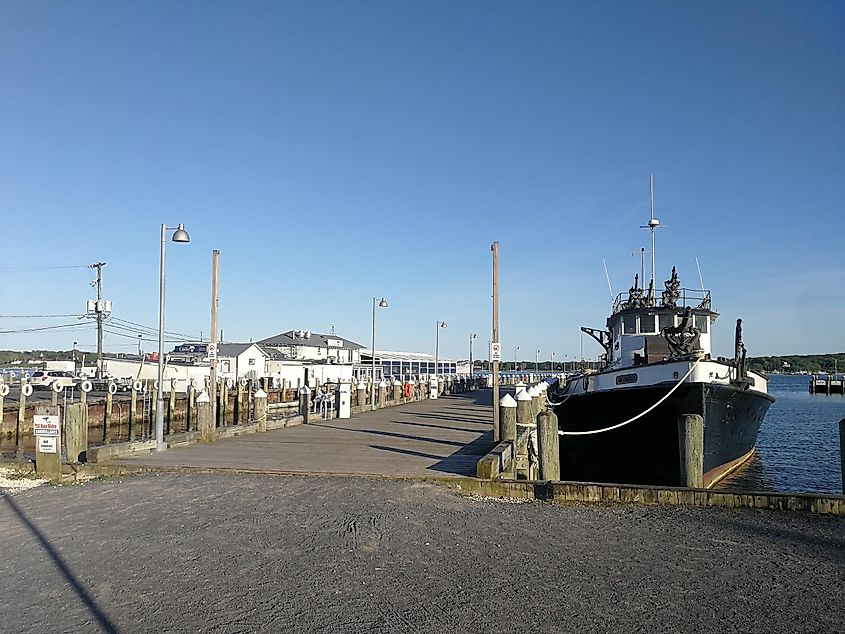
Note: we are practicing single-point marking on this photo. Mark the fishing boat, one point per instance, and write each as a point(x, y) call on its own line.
point(620, 424)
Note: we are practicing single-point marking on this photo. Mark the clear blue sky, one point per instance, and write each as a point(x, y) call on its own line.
point(333, 151)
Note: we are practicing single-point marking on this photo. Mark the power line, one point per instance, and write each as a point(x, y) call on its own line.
point(43, 268)
point(62, 326)
point(39, 316)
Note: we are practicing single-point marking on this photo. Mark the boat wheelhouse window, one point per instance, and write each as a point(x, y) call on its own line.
point(701, 323)
point(629, 324)
point(646, 323)
point(666, 320)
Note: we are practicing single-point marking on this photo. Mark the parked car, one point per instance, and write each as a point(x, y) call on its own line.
point(44, 379)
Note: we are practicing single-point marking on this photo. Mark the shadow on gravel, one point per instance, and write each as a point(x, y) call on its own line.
point(828, 548)
point(86, 598)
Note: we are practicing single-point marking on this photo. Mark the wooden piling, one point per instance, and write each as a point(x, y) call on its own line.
point(549, 446)
point(133, 403)
point(76, 431)
point(305, 403)
point(524, 414)
point(153, 403)
point(20, 423)
point(205, 422)
point(507, 418)
point(261, 409)
point(691, 450)
point(842, 452)
point(171, 409)
point(192, 406)
point(107, 417)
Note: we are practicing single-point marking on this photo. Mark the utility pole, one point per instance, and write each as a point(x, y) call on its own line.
point(212, 349)
point(100, 310)
point(495, 364)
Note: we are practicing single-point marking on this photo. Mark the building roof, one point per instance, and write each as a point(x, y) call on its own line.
point(306, 338)
point(390, 355)
point(231, 350)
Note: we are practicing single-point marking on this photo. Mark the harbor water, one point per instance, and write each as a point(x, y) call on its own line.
point(798, 445)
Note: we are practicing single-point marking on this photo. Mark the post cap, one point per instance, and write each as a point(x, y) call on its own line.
point(533, 391)
point(523, 396)
point(542, 386)
point(361, 386)
point(397, 382)
point(203, 397)
point(507, 401)
point(260, 393)
point(382, 383)
point(305, 390)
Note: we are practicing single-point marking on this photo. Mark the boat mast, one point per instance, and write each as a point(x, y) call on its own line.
point(653, 224)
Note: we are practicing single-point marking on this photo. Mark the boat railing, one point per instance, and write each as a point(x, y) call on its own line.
point(687, 297)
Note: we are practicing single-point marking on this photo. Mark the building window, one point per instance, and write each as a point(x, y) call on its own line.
point(629, 325)
point(666, 320)
point(252, 361)
point(701, 322)
point(646, 324)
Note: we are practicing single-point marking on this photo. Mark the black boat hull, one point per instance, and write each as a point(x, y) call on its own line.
point(646, 450)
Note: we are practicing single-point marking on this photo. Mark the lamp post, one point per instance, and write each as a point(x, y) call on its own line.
point(440, 324)
point(381, 304)
point(553, 361)
point(179, 235)
point(472, 336)
point(74, 357)
point(515, 365)
point(537, 361)
point(139, 345)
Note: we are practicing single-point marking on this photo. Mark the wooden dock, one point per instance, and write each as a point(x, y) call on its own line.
point(827, 384)
point(442, 437)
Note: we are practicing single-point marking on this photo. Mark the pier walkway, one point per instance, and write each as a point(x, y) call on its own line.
point(434, 437)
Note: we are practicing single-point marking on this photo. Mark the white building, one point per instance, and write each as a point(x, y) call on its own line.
point(241, 361)
point(303, 345)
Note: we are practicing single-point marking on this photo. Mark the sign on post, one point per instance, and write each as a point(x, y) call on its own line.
point(47, 444)
point(495, 351)
point(45, 425)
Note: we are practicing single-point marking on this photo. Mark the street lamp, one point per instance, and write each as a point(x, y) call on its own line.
point(515, 365)
point(537, 361)
point(179, 235)
point(440, 324)
point(553, 361)
point(381, 304)
point(74, 357)
point(472, 336)
point(139, 345)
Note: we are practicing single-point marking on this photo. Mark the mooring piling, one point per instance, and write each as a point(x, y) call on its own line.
point(691, 450)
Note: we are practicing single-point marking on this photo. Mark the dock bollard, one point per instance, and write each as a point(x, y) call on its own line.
point(548, 446)
point(261, 409)
point(507, 418)
point(536, 401)
point(691, 450)
point(523, 409)
point(205, 425)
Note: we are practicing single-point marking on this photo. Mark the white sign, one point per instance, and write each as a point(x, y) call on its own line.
point(495, 351)
point(47, 444)
point(46, 425)
point(212, 351)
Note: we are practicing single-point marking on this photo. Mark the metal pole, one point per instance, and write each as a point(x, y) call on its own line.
point(160, 446)
point(99, 310)
point(436, 350)
point(495, 364)
point(373, 384)
point(212, 374)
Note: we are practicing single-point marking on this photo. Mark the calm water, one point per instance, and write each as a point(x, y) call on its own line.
point(798, 445)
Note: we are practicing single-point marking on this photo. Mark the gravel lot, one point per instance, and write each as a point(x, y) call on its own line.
point(224, 553)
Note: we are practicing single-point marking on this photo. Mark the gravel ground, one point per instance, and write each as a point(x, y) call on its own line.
point(224, 553)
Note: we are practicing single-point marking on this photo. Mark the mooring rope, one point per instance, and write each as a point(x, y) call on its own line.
point(640, 415)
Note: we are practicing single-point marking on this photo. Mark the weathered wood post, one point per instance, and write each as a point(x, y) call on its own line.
point(133, 405)
point(26, 390)
point(192, 405)
point(691, 450)
point(205, 424)
point(76, 431)
point(382, 393)
point(305, 403)
point(507, 417)
point(397, 391)
point(548, 445)
point(54, 396)
point(171, 408)
point(536, 405)
point(153, 400)
point(261, 409)
point(48, 442)
point(841, 450)
point(361, 390)
point(524, 414)
point(4, 392)
point(107, 414)
point(524, 419)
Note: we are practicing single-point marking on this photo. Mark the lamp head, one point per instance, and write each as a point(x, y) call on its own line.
point(383, 303)
point(442, 324)
point(181, 235)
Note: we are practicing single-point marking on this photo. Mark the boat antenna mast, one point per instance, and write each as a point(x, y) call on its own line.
point(607, 276)
point(653, 224)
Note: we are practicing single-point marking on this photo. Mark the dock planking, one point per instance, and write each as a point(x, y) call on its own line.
point(442, 437)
